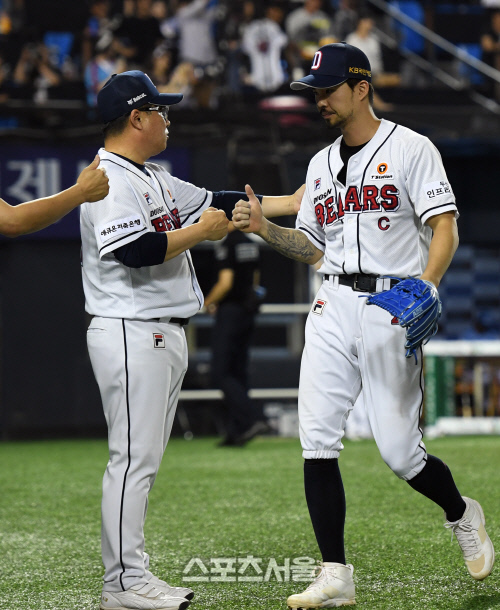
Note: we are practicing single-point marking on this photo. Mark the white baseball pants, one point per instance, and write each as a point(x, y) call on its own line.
point(351, 345)
point(139, 367)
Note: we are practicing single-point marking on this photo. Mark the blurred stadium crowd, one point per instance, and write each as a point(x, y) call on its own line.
point(216, 50)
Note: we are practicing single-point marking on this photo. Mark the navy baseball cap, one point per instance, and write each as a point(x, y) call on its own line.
point(129, 90)
point(333, 64)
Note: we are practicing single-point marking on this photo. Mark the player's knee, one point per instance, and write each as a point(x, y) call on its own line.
point(148, 461)
point(403, 464)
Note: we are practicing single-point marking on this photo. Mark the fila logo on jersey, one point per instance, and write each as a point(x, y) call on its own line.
point(318, 307)
point(317, 184)
point(148, 198)
point(159, 340)
point(373, 199)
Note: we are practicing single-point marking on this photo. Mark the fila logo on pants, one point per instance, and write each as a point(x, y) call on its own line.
point(159, 340)
point(318, 307)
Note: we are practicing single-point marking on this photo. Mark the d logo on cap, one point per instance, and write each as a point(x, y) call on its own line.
point(316, 63)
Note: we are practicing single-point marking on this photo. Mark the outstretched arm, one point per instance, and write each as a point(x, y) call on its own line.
point(92, 185)
point(248, 217)
point(285, 205)
point(155, 248)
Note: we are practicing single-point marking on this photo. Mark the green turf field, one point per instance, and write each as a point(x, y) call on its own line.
point(211, 503)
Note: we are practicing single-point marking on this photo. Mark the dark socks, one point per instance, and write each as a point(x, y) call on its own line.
point(326, 502)
point(435, 481)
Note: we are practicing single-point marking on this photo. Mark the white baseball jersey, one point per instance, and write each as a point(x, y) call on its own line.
point(263, 41)
point(135, 205)
point(375, 223)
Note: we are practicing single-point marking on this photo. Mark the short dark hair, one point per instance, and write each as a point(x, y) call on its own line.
point(115, 127)
point(352, 82)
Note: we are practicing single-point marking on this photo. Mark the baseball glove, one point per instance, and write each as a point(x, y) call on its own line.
point(416, 305)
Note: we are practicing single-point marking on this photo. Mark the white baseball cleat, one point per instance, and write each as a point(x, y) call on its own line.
point(332, 587)
point(172, 591)
point(477, 548)
point(141, 597)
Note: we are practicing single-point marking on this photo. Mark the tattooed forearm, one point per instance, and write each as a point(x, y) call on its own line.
point(291, 243)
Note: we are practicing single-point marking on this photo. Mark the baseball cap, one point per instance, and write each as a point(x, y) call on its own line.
point(333, 64)
point(129, 90)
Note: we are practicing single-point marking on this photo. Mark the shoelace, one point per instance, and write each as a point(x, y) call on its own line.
point(465, 535)
point(318, 574)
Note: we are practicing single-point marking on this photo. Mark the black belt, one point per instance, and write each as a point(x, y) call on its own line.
point(360, 282)
point(181, 321)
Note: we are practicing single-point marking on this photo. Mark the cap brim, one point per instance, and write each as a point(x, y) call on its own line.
point(166, 99)
point(317, 81)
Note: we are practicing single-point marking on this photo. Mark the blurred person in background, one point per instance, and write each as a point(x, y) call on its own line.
point(234, 301)
point(238, 17)
point(264, 42)
point(35, 72)
point(364, 38)
point(170, 79)
point(195, 21)
point(308, 28)
point(168, 24)
point(99, 28)
point(160, 66)
point(5, 83)
point(490, 44)
point(106, 62)
point(139, 34)
point(346, 18)
point(91, 185)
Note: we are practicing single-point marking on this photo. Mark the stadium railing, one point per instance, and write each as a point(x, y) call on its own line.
point(459, 53)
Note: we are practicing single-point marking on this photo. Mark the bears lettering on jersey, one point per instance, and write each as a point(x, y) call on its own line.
point(167, 222)
point(373, 199)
